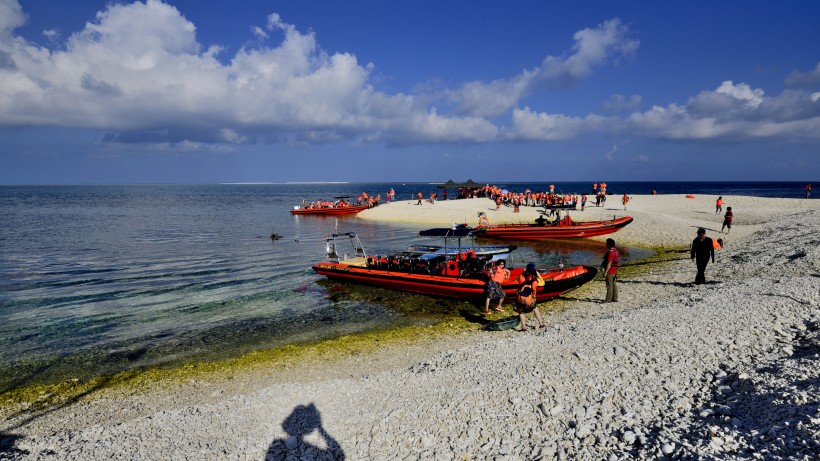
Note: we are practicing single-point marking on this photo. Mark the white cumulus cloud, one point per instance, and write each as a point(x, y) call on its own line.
point(138, 71)
point(804, 79)
point(592, 48)
point(534, 126)
point(620, 103)
point(730, 112)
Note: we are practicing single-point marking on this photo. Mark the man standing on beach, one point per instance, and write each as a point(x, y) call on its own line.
point(612, 259)
point(808, 190)
point(702, 250)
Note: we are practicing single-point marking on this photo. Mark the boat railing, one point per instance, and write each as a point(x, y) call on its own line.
point(356, 243)
point(461, 265)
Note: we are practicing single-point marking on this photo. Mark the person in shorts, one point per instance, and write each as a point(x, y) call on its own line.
point(494, 289)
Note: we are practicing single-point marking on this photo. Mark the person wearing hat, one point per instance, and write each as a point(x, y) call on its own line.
point(612, 259)
point(702, 249)
point(525, 298)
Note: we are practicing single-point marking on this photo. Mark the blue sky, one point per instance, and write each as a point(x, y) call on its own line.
point(301, 90)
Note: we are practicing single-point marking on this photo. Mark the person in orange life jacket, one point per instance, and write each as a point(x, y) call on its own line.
point(583, 202)
point(719, 205)
point(525, 298)
point(808, 190)
point(494, 290)
point(610, 264)
point(702, 249)
point(727, 220)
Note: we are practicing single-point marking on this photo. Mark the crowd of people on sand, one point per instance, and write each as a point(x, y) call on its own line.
point(517, 199)
point(702, 251)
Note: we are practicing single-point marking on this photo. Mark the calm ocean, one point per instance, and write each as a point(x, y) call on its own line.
point(99, 279)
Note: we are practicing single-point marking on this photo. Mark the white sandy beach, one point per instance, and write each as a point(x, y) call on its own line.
point(725, 370)
point(660, 220)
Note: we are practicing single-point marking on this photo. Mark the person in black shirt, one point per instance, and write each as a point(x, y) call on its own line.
point(702, 250)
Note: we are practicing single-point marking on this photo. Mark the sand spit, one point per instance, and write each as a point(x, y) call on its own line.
point(725, 370)
point(660, 220)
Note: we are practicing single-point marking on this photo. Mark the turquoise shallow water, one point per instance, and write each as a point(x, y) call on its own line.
point(99, 279)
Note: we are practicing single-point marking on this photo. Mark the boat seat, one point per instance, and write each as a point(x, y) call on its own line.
point(357, 261)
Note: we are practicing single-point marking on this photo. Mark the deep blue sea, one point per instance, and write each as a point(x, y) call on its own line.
point(100, 279)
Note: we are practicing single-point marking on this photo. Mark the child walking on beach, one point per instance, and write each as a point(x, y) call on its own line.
point(625, 200)
point(727, 220)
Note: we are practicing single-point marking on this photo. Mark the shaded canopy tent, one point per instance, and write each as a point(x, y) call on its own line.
point(450, 184)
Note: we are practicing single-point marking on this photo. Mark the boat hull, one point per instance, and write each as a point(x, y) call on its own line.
point(454, 287)
point(329, 211)
point(559, 231)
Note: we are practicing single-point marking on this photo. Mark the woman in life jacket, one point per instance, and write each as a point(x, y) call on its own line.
point(525, 297)
point(494, 290)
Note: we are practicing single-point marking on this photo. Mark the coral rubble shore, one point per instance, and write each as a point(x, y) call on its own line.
point(725, 370)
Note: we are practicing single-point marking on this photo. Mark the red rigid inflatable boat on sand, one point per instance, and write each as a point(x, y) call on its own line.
point(339, 207)
point(563, 229)
point(352, 209)
point(458, 275)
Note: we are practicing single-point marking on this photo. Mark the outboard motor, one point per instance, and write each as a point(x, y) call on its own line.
point(331, 250)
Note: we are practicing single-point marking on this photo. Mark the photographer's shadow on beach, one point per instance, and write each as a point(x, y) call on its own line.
point(306, 439)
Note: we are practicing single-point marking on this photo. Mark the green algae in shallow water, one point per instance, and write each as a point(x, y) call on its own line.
point(453, 316)
point(399, 301)
point(38, 398)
